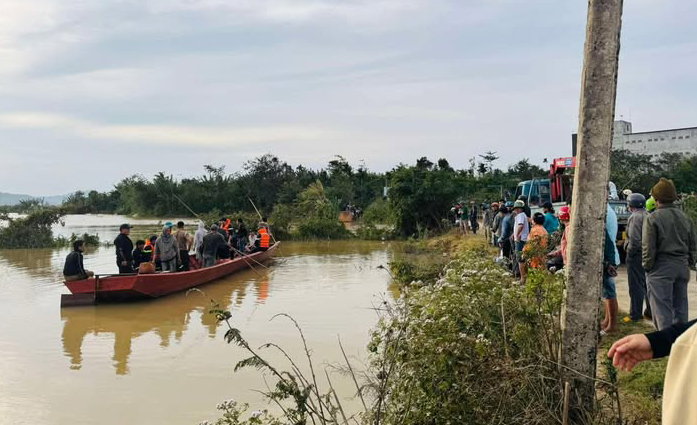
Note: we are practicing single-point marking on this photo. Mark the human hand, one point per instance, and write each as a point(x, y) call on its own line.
point(629, 351)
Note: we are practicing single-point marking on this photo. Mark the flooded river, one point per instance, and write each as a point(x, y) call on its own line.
point(164, 361)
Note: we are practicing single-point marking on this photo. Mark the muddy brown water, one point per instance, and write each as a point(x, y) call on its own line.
point(165, 360)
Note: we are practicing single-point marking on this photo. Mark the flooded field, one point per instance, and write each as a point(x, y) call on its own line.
point(165, 361)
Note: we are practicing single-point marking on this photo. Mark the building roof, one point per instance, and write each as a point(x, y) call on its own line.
point(658, 131)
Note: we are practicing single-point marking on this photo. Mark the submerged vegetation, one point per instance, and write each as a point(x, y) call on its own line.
point(35, 230)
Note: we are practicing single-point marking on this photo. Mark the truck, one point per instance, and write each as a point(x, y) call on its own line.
point(557, 188)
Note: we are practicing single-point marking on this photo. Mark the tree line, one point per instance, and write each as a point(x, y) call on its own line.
point(419, 194)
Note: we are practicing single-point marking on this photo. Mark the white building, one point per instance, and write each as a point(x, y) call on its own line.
point(654, 143)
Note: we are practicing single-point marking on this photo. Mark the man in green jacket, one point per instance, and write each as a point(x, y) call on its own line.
point(669, 250)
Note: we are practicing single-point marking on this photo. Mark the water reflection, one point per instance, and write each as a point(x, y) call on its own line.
point(36, 262)
point(169, 317)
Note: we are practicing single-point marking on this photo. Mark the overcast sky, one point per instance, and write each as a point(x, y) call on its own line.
point(94, 91)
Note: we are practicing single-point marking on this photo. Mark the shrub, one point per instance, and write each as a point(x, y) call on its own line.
point(471, 348)
point(32, 231)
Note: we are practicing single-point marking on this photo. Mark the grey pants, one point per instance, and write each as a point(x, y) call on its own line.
point(637, 286)
point(170, 265)
point(667, 284)
point(208, 260)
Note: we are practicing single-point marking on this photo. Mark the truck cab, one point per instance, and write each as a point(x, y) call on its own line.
point(557, 189)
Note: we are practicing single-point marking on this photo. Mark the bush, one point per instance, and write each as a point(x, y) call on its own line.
point(471, 348)
point(322, 228)
point(32, 231)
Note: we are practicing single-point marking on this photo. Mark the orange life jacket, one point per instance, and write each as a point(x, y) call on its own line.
point(265, 238)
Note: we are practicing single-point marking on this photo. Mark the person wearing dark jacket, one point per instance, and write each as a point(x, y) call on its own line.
point(124, 250)
point(139, 255)
point(74, 268)
point(241, 235)
point(211, 244)
point(669, 249)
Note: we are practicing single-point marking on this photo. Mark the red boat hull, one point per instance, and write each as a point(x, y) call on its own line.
point(128, 288)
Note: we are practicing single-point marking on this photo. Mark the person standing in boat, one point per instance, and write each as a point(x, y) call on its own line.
point(124, 249)
point(210, 245)
point(167, 250)
point(184, 241)
point(242, 235)
point(74, 268)
point(198, 240)
point(264, 239)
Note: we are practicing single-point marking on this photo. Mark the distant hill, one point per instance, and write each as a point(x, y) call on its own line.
point(14, 198)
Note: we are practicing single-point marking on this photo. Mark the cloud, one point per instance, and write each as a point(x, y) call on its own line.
point(164, 134)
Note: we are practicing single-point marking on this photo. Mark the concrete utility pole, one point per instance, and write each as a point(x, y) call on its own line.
point(580, 314)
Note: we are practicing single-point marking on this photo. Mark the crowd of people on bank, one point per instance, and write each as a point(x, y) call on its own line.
point(170, 251)
point(660, 247)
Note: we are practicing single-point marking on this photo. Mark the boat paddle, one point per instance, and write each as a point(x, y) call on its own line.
point(242, 254)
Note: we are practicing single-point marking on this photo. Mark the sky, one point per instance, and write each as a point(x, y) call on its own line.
point(92, 92)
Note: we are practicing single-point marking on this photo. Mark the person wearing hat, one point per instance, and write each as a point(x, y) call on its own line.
point(524, 198)
point(521, 231)
point(669, 249)
point(636, 275)
point(124, 249)
point(650, 205)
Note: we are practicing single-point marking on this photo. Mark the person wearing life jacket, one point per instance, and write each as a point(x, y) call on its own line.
point(264, 239)
point(148, 251)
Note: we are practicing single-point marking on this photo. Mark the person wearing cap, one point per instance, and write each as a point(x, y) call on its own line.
point(636, 275)
point(669, 249)
point(551, 221)
point(124, 249)
point(521, 231)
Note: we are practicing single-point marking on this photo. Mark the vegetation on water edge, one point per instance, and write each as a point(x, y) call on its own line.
point(414, 203)
point(35, 230)
point(468, 346)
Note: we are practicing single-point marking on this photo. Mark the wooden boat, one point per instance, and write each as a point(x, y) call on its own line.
point(116, 288)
